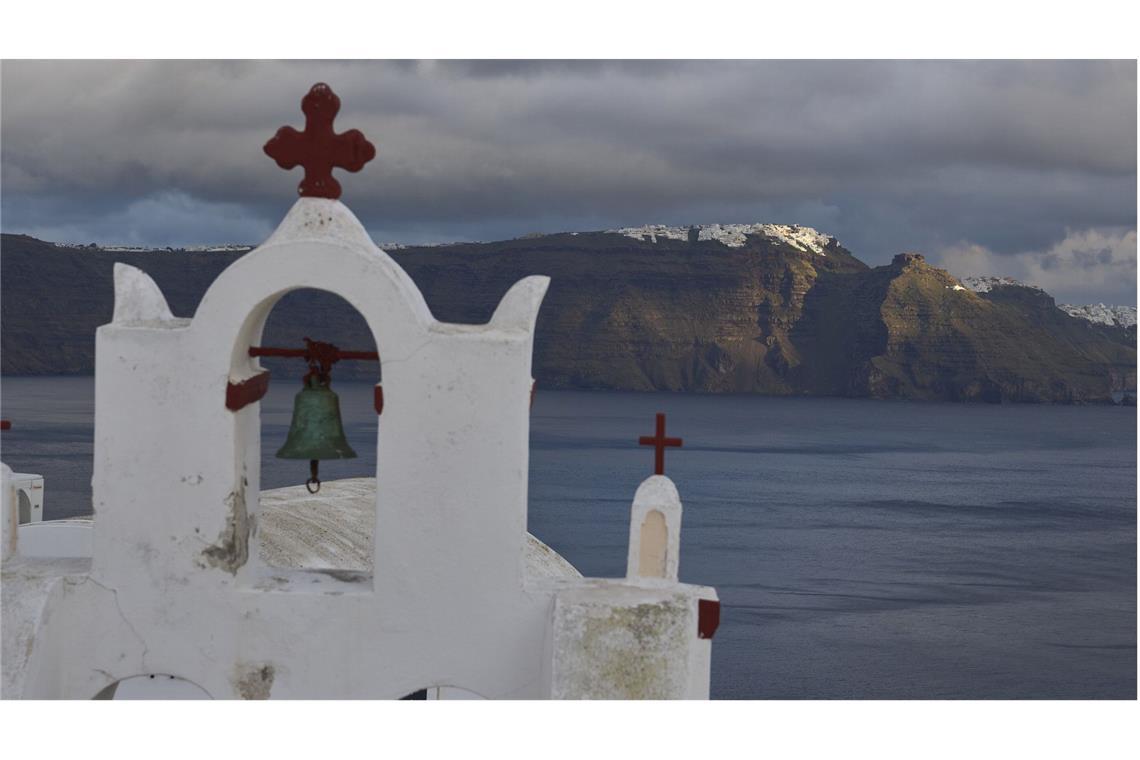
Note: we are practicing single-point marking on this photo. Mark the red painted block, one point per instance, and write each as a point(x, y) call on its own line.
point(239, 395)
point(708, 618)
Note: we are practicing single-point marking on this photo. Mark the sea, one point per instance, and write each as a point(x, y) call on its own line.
point(861, 549)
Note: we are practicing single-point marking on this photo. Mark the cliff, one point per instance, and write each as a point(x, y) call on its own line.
point(756, 309)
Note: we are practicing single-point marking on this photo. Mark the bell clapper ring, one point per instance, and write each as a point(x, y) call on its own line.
point(313, 484)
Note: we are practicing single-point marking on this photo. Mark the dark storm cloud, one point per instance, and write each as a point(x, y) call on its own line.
point(1013, 158)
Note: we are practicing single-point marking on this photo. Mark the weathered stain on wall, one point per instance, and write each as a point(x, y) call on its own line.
point(253, 681)
point(232, 548)
point(614, 642)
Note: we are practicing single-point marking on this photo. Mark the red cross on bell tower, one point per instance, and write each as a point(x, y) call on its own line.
point(318, 148)
point(659, 442)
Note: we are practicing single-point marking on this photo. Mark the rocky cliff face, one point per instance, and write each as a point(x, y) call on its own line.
point(940, 340)
point(761, 309)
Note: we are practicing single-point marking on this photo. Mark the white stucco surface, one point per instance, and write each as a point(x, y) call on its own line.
point(299, 530)
point(139, 301)
point(9, 516)
point(57, 538)
point(613, 640)
point(334, 530)
point(194, 573)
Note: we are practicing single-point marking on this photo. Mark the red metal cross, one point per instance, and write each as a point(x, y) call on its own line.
point(659, 441)
point(319, 149)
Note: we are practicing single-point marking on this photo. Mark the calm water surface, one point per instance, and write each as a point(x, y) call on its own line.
point(861, 549)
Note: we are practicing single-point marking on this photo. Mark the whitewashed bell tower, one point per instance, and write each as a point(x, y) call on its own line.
point(457, 594)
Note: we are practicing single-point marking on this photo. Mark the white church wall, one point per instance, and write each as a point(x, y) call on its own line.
point(175, 469)
point(56, 538)
point(613, 640)
point(457, 597)
point(9, 519)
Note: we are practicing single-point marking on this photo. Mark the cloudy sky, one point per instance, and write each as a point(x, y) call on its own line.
point(1025, 169)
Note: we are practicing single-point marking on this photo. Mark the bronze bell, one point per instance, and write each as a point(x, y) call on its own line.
point(316, 431)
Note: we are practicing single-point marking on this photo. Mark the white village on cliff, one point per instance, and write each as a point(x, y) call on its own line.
point(190, 582)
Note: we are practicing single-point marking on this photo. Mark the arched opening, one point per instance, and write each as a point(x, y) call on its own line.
point(25, 507)
point(330, 530)
point(154, 686)
point(445, 693)
point(654, 545)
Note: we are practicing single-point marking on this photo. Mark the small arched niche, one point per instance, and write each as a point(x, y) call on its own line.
point(654, 545)
point(443, 693)
point(154, 686)
point(25, 507)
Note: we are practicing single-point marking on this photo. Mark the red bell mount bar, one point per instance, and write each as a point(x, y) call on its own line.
point(320, 358)
point(303, 353)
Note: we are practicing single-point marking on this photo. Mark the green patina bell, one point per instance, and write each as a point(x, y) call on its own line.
point(316, 431)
